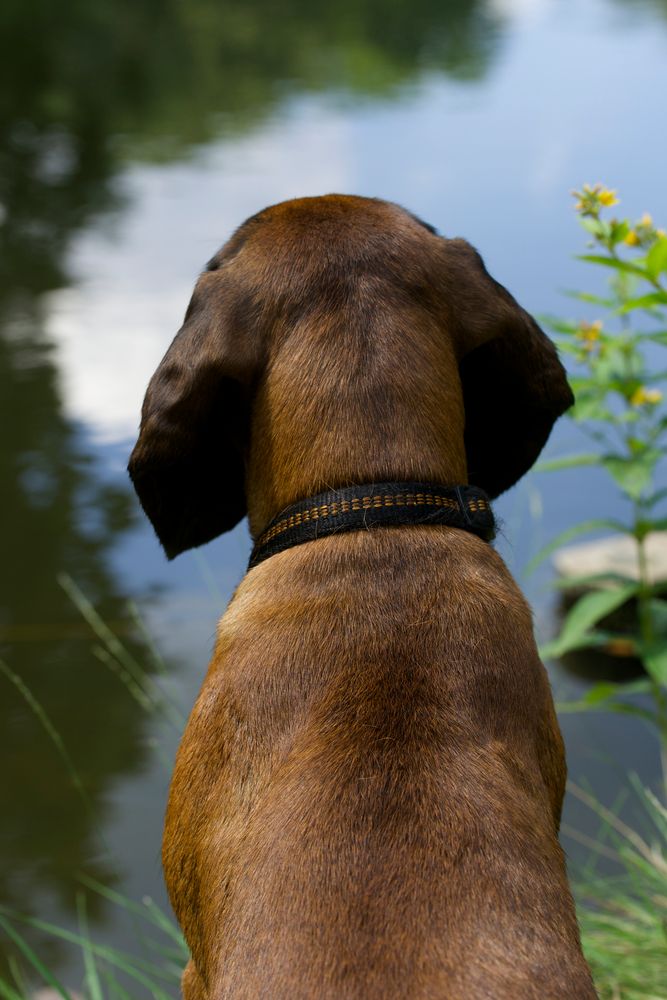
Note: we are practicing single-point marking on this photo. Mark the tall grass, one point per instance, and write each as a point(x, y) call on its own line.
point(154, 970)
point(623, 915)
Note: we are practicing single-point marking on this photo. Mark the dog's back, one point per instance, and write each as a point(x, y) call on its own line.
point(366, 799)
point(380, 790)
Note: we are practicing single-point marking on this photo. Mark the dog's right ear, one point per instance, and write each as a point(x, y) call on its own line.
point(188, 464)
point(514, 385)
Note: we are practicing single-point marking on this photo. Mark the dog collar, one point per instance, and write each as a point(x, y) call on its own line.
point(371, 505)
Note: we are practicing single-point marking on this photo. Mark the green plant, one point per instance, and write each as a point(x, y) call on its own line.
point(620, 408)
point(153, 970)
point(623, 914)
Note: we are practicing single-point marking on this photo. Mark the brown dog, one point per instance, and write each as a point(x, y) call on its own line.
point(366, 800)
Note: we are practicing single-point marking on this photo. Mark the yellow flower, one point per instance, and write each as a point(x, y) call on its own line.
point(589, 333)
point(642, 396)
point(592, 198)
point(607, 197)
point(646, 220)
point(632, 239)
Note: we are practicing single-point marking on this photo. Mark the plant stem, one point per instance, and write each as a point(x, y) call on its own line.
point(647, 631)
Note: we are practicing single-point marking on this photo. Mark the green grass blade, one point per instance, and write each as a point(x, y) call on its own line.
point(116, 649)
point(137, 692)
point(92, 978)
point(8, 992)
point(33, 959)
point(115, 988)
point(148, 910)
point(156, 656)
point(134, 966)
point(165, 924)
point(623, 918)
point(49, 729)
point(17, 975)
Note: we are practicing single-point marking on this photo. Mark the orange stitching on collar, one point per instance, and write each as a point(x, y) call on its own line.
point(382, 500)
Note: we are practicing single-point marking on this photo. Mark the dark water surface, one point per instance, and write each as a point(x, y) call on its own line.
point(133, 138)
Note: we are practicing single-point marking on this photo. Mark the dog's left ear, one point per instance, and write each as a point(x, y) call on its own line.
point(514, 385)
point(188, 464)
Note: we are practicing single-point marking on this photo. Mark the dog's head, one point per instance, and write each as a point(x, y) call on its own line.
point(341, 266)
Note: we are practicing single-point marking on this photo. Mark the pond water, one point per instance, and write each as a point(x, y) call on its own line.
point(132, 141)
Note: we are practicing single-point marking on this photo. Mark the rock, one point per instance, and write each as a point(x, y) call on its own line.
point(46, 993)
point(616, 554)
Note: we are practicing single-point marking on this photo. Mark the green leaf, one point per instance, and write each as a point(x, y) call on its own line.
point(608, 689)
point(605, 697)
point(659, 337)
point(617, 265)
point(656, 260)
point(571, 347)
point(598, 227)
point(583, 528)
point(620, 362)
point(649, 302)
point(659, 615)
point(654, 654)
point(552, 650)
point(654, 659)
point(618, 231)
point(560, 325)
point(590, 406)
point(586, 613)
point(629, 417)
point(655, 498)
point(567, 462)
point(596, 300)
point(633, 475)
point(600, 692)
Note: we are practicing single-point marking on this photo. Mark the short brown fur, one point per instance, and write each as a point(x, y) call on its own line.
point(366, 800)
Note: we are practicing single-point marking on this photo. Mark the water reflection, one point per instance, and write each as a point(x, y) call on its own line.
point(81, 91)
point(58, 514)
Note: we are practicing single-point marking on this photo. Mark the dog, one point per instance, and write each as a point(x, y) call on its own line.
point(366, 800)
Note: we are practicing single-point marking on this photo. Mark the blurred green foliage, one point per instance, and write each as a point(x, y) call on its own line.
point(621, 409)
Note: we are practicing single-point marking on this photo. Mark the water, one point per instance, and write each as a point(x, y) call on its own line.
point(132, 141)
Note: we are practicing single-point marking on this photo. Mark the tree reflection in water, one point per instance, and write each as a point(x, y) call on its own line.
point(84, 87)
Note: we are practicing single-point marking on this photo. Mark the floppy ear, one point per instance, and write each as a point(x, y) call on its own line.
point(514, 386)
point(188, 464)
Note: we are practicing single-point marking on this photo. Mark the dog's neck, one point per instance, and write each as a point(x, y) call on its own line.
point(398, 416)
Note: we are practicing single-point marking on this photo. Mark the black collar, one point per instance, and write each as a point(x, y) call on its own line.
point(356, 508)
